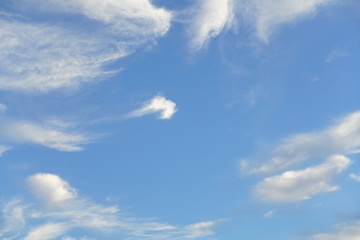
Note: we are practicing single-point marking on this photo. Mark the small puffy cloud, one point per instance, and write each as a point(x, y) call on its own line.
point(342, 138)
point(50, 188)
point(345, 232)
point(354, 176)
point(210, 19)
point(159, 104)
point(292, 186)
point(47, 231)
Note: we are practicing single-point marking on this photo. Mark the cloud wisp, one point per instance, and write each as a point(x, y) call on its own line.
point(213, 17)
point(355, 177)
point(41, 56)
point(66, 211)
point(209, 20)
point(345, 232)
point(293, 186)
point(268, 15)
point(342, 138)
point(54, 134)
point(159, 104)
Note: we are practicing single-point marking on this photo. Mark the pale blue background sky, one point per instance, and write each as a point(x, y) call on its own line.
point(237, 97)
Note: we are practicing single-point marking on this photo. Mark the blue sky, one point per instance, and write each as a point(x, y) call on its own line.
point(164, 119)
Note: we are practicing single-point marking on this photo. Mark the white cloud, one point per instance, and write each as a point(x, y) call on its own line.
point(130, 17)
point(3, 149)
point(166, 108)
point(354, 176)
point(13, 215)
point(346, 232)
point(266, 15)
point(47, 231)
point(210, 19)
point(292, 186)
point(215, 16)
point(66, 211)
point(342, 138)
point(41, 56)
point(202, 229)
point(51, 188)
point(46, 135)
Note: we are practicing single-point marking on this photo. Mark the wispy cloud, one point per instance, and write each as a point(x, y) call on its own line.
point(43, 56)
point(159, 104)
point(342, 138)
point(267, 15)
point(61, 139)
point(270, 214)
point(210, 18)
point(354, 176)
point(293, 186)
point(264, 16)
point(54, 134)
point(47, 231)
point(345, 232)
point(65, 211)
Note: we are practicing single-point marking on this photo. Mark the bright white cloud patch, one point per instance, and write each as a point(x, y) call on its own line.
point(292, 186)
point(343, 138)
point(346, 232)
point(66, 211)
point(210, 19)
point(51, 188)
point(42, 56)
point(164, 107)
